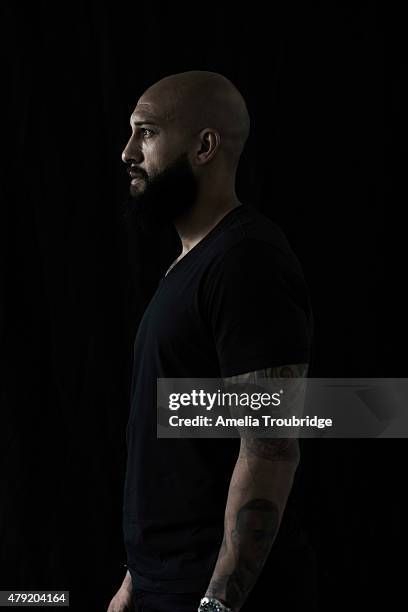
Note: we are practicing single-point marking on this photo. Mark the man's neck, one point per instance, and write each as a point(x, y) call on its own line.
point(198, 222)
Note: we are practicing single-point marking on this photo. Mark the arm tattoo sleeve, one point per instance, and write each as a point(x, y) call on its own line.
point(258, 492)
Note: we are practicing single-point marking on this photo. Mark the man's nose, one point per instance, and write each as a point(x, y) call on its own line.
point(131, 152)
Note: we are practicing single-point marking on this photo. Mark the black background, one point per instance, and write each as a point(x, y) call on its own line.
point(75, 280)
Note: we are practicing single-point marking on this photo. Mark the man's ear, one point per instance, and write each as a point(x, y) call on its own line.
point(209, 144)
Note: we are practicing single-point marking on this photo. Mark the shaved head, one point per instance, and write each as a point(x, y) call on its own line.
point(200, 99)
point(188, 133)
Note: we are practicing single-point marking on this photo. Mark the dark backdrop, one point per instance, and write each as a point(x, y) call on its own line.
point(75, 280)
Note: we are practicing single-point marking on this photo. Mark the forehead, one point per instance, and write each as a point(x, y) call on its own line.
point(141, 116)
point(149, 113)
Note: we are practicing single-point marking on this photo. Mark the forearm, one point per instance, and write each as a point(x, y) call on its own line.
point(258, 492)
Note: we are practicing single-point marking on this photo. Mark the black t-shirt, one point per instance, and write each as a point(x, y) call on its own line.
point(236, 302)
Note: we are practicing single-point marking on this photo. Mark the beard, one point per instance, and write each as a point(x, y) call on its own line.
point(156, 202)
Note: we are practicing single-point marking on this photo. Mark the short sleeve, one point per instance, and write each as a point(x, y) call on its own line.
point(256, 304)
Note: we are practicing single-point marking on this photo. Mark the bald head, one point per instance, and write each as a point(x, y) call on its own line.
point(199, 99)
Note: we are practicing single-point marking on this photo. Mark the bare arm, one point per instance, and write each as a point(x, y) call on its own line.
point(258, 492)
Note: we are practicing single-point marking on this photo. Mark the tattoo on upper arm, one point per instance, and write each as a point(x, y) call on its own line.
point(273, 449)
point(285, 371)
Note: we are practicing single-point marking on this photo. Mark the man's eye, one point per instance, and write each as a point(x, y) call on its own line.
point(146, 130)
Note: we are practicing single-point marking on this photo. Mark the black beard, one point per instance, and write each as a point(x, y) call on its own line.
point(164, 197)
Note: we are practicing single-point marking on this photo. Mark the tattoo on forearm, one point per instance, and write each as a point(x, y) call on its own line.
point(223, 549)
point(252, 537)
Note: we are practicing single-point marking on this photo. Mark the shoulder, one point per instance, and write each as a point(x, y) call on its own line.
point(251, 238)
point(254, 257)
point(254, 272)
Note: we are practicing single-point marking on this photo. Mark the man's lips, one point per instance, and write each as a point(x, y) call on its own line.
point(134, 175)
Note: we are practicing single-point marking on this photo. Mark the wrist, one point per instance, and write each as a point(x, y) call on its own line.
point(214, 604)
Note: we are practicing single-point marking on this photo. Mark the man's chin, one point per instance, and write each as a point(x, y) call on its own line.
point(137, 190)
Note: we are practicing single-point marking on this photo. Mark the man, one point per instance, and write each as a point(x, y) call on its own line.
point(206, 517)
